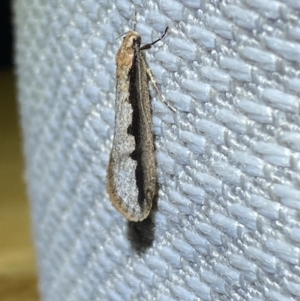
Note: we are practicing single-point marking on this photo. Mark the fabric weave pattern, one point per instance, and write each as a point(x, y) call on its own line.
point(226, 226)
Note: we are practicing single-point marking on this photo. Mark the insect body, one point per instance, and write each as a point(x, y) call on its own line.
point(131, 174)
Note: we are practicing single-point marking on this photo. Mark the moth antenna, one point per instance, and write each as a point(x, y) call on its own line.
point(148, 46)
point(123, 34)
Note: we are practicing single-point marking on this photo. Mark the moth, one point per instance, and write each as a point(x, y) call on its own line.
point(131, 173)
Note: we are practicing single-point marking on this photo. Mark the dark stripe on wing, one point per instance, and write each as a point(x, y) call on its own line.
point(135, 128)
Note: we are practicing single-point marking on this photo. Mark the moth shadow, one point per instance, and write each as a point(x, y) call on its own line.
point(141, 234)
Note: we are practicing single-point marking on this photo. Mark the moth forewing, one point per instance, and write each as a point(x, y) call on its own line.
point(131, 174)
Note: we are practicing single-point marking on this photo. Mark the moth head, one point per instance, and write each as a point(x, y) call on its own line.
point(132, 39)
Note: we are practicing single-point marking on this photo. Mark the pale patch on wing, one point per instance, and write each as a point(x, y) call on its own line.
point(125, 181)
point(124, 167)
point(123, 143)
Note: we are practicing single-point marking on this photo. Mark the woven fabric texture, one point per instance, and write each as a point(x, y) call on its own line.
point(226, 224)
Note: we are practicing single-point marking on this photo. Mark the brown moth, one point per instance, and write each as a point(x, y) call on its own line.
point(131, 173)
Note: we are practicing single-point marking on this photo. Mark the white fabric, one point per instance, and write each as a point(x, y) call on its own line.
point(227, 220)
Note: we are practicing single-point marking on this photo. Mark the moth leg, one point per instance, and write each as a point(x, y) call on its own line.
point(162, 98)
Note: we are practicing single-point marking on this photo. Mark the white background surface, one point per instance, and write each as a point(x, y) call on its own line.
point(227, 220)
